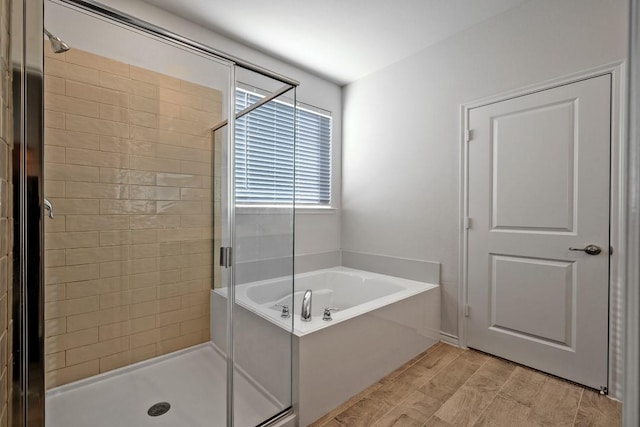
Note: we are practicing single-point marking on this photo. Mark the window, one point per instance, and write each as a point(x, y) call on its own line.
point(264, 154)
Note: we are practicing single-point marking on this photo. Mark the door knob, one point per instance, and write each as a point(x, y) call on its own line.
point(589, 249)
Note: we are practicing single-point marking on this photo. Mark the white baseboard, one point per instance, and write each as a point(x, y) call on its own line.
point(449, 339)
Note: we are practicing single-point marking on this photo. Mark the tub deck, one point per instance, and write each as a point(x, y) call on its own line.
point(352, 292)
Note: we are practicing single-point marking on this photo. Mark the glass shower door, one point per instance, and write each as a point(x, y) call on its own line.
point(137, 313)
point(256, 221)
point(129, 169)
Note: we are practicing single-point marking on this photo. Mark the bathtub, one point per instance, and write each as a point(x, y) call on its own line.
point(380, 323)
point(351, 292)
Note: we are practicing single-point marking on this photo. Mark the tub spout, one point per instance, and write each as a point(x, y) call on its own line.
point(305, 314)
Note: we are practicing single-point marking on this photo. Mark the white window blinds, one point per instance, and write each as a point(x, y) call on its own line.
point(264, 154)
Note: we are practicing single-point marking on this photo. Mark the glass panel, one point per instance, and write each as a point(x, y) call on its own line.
point(221, 285)
point(263, 257)
point(130, 169)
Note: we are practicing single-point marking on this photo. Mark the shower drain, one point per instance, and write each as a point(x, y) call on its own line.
point(158, 409)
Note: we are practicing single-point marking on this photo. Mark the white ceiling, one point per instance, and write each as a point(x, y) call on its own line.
point(342, 40)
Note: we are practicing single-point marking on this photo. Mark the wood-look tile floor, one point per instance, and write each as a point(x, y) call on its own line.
point(447, 386)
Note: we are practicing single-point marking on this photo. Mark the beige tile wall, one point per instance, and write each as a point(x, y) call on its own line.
point(129, 170)
point(6, 223)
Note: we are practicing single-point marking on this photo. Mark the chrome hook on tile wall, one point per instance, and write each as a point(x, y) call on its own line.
point(48, 206)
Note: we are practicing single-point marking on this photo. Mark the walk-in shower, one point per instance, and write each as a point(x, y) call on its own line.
point(131, 144)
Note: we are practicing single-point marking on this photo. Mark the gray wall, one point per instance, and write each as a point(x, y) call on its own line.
point(400, 159)
point(400, 191)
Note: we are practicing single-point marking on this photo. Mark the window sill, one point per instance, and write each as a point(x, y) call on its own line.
point(282, 210)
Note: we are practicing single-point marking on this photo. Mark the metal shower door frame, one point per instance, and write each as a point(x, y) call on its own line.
point(26, 363)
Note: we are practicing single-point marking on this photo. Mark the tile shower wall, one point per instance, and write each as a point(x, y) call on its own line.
point(6, 223)
point(129, 170)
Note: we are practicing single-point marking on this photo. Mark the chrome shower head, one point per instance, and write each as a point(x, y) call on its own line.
point(57, 45)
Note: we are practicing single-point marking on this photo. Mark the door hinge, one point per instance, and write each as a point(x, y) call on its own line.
point(468, 135)
point(225, 256)
point(467, 223)
point(467, 310)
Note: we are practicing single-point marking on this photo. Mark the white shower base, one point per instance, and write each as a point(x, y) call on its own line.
point(193, 381)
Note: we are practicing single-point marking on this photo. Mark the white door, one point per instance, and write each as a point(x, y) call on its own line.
point(538, 186)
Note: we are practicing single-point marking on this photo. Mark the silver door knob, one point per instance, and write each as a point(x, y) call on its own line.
point(589, 249)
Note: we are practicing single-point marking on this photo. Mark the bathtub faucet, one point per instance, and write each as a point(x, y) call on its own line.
point(305, 314)
point(285, 311)
point(327, 314)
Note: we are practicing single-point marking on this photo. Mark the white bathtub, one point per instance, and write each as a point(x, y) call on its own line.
point(352, 292)
point(381, 323)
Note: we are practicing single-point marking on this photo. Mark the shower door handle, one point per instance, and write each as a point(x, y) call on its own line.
point(225, 256)
point(48, 206)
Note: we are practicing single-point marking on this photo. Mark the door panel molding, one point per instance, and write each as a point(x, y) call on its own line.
point(508, 311)
point(617, 229)
point(521, 209)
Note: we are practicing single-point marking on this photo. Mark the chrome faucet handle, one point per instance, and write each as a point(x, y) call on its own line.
point(285, 311)
point(327, 313)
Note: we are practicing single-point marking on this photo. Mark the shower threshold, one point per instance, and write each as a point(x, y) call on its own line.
point(192, 381)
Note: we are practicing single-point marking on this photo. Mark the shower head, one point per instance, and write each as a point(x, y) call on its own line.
point(57, 45)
